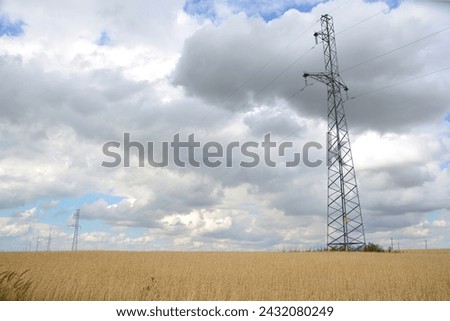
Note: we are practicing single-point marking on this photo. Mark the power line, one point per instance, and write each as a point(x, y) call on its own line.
point(275, 56)
point(261, 90)
point(288, 67)
point(233, 114)
point(279, 75)
point(255, 73)
point(294, 62)
point(260, 69)
point(273, 79)
point(268, 84)
point(272, 110)
point(362, 21)
point(257, 94)
point(284, 71)
point(227, 172)
point(394, 50)
point(399, 83)
point(292, 96)
point(338, 7)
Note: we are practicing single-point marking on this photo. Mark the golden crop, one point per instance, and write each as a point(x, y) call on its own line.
point(413, 275)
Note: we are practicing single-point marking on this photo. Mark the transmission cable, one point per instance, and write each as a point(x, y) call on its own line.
point(396, 49)
point(271, 110)
point(267, 85)
point(399, 83)
point(260, 69)
point(227, 172)
point(362, 21)
point(189, 170)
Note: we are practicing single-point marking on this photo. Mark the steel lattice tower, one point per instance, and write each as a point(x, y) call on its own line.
point(76, 226)
point(49, 240)
point(345, 229)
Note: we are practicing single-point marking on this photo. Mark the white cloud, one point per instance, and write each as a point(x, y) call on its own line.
point(198, 223)
point(440, 223)
point(378, 151)
point(7, 228)
point(28, 213)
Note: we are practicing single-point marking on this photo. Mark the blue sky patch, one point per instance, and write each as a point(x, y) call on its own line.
point(447, 117)
point(63, 208)
point(391, 3)
point(444, 165)
point(201, 8)
point(266, 9)
point(433, 216)
point(103, 39)
point(9, 27)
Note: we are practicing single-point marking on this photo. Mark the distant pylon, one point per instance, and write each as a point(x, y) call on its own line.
point(76, 226)
point(37, 242)
point(345, 229)
point(49, 240)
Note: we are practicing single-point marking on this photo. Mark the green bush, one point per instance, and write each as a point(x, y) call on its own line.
point(372, 247)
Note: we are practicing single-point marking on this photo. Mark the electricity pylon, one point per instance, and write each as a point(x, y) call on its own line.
point(76, 226)
point(49, 240)
point(345, 229)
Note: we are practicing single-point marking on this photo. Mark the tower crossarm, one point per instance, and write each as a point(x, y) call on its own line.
point(326, 78)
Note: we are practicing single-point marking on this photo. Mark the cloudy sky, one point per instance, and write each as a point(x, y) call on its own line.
point(77, 74)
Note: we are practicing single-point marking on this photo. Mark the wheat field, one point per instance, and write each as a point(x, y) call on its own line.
point(412, 275)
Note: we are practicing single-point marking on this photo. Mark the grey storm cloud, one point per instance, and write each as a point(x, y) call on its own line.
point(222, 65)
